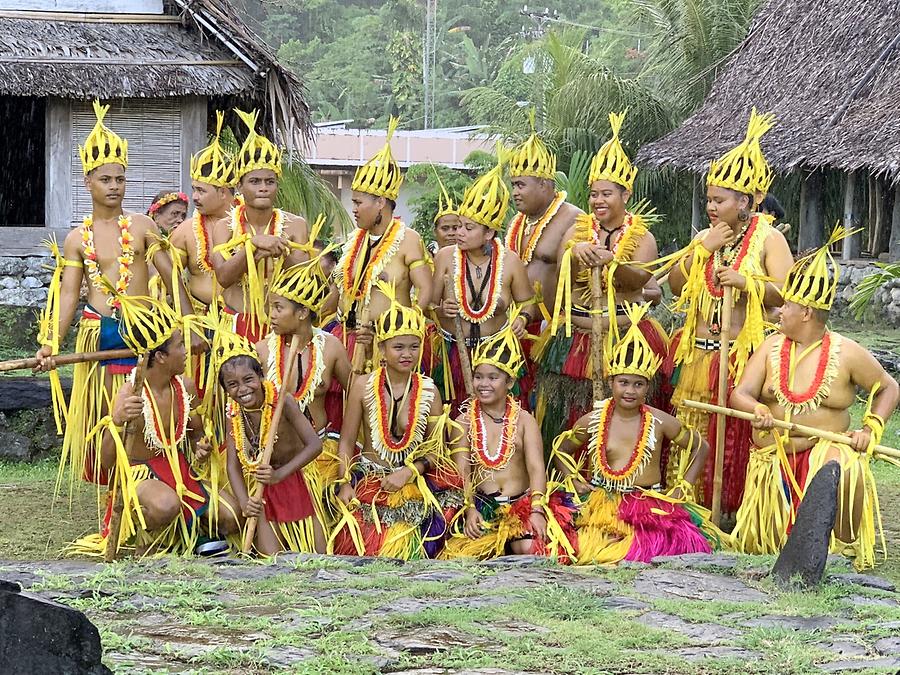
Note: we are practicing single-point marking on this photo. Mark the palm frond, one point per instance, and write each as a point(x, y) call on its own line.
point(869, 286)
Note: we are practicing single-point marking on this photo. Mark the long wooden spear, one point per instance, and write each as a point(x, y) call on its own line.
point(266, 457)
point(722, 397)
point(802, 429)
point(66, 359)
point(115, 518)
point(462, 349)
point(597, 331)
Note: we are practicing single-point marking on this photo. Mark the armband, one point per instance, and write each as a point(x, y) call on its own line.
point(72, 263)
point(415, 264)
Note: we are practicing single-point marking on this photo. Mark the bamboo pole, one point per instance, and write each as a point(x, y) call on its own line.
point(462, 349)
point(360, 352)
point(66, 359)
point(833, 436)
point(722, 394)
point(597, 332)
point(115, 519)
point(250, 529)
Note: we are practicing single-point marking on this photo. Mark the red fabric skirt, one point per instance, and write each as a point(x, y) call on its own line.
point(162, 471)
point(246, 325)
point(289, 500)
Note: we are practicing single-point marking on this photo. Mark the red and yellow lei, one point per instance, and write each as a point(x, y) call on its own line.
point(420, 398)
point(599, 428)
point(125, 257)
point(716, 261)
point(154, 431)
point(237, 425)
point(306, 391)
point(204, 262)
point(356, 284)
point(494, 289)
point(782, 362)
point(478, 435)
point(518, 224)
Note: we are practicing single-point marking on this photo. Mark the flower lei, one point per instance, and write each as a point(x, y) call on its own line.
point(306, 390)
point(204, 262)
point(125, 258)
point(154, 433)
point(239, 224)
point(717, 259)
point(389, 450)
point(782, 360)
point(494, 289)
point(517, 227)
point(601, 421)
point(356, 284)
point(478, 435)
point(239, 433)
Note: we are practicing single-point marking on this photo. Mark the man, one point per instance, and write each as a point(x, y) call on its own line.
point(108, 249)
point(497, 449)
point(809, 375)
point(382, 248)
point(256, 236)
point(212, 185)
point(612, 239)
point(624, 515)
point(486, 279)
point(740, 250)
point(542, 220)
point(163, 484)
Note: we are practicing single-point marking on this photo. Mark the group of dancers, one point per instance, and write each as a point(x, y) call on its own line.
point(509, 394)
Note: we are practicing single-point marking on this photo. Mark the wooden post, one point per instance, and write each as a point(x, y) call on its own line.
point(722, 392)
point(851, 243)
point(812, 225)
point(882, 219)
point(266, 457)
point(115, 519)
point(597, 331)
point(894, 246)
point(696, 206)
point(465, 363)
point(66, 359)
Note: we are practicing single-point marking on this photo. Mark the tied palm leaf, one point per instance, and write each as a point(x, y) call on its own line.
point(870, 285)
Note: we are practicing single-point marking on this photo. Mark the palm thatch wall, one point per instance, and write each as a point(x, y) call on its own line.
point(830, 72)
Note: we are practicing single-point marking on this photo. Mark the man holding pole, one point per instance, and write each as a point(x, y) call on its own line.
point(608, 241)
point(808, 375)
point(109, 244)
point(382, 247)
point(733, 270)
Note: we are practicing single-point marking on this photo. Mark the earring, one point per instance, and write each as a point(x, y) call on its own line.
point(743, 215)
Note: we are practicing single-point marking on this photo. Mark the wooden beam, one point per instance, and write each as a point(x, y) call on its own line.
point(812, 225)
point(58, 163)
point(894, 249)
point(850, 244)
point(696, 206)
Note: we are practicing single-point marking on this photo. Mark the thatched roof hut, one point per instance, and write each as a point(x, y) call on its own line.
point(163, 65)
point(829, 71)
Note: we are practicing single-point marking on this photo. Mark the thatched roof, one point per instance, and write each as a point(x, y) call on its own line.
point(830, 72)
point(199, 47)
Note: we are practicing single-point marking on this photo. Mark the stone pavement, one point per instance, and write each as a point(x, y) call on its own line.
point(693, 613)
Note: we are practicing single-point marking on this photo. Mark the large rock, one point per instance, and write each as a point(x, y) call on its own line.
point(39, 637)
point(28, 393)
point(14, 447)
point(804, 555)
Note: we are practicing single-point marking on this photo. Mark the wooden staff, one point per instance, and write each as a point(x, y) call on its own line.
point(361, 352)
point(66, 359)
point(266, 457)
point(833, 436)
point(464, 362)
point(724, 367)
point(597, 331)
point(115, 518)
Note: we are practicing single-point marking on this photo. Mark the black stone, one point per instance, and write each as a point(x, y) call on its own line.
point(41, 637)
point(28, 393)
point(806, 551)
point(10, 586)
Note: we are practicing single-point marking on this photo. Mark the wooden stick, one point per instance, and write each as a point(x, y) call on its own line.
point(115, 519)
point(597, 331)
point(462, 349)
point(66, 359)
point(801, 429)
point(724, 367)
point(250, 531)
point(360, 352)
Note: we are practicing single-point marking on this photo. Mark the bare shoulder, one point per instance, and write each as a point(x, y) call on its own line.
point(526, 419)
point(412, 238)
point(776, 238)
point(442, 257)
point(662, 416)
point(569, 211)
point(262, 348)
point(142, 222)
point(295, 224)
point(72, 243)
point(182, 234)
point(190, 387)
